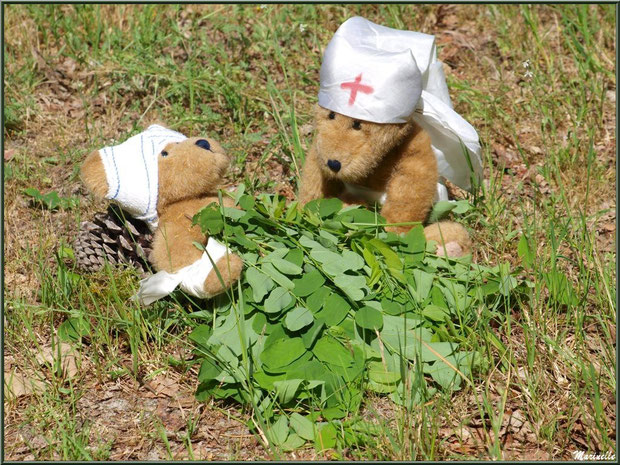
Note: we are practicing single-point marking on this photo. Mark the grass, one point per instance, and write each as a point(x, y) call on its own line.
point(248, 76)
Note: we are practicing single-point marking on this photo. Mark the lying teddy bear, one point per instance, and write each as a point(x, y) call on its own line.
point(384, 126)
point(163, 178)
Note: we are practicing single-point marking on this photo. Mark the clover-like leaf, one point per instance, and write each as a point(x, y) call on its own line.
point(209, 219)
point(277, 300)
point(332, 263)
point(283, 352)
point(353, 286)
point(308, 283)
point(279, 431)
point(328, 350)
point(334, 310)
point(260, 283)
point(369, 318)
point(440, 210)
point(298, 318)
point(302, 425)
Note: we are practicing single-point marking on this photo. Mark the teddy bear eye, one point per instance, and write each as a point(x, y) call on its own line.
point(164, 153)
point(357, 125)
point(331, 115)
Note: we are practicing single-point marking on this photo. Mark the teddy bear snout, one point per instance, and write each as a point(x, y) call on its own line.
point(334, 165)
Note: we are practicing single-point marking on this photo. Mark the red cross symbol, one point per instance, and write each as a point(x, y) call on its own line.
point(356, 87)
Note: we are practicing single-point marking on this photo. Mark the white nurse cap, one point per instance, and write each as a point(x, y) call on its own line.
point(384, 75)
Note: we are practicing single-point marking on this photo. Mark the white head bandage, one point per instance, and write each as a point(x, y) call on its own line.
point(375, 73)
point(132, 174)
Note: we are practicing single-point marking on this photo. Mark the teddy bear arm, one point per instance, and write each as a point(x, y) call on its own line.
point(412, 187)
point(93, 175)
point(414, 205)
point(313, 183)
point(173, 242)
point(229, 267)
point(173, 245)
point(408, 201)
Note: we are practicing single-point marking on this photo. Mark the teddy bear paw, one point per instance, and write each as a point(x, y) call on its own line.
point(451, 249)
point(229, 267)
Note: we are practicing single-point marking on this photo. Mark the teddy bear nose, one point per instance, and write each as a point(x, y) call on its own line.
point(334, 165)
point(203, 144)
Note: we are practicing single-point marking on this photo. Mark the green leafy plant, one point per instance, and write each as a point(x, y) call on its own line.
point(51, 200)
point(331, 305)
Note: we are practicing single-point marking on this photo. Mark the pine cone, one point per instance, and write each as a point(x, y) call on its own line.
point(115, 237)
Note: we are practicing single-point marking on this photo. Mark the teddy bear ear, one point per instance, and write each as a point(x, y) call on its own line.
point(212, 145)
point(204, 144)
point(93, 175)
point(321, 113)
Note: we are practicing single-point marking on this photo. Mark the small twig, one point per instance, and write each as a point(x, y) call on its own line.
point(261, 433)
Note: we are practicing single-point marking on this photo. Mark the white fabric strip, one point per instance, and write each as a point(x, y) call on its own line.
point(366, 194)
point(384, 75)
point(452, 138)
point(372, 196)
point(442, 192)
point(131, 170)
point(190, 278)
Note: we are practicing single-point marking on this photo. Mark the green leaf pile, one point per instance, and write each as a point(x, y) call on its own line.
point(330, 305)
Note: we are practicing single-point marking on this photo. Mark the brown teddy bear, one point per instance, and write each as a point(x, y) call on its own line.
point(164, 179)
point(386, 132)
point(361, 162)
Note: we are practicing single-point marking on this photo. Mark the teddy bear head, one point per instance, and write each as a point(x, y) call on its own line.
point(349, 149)
point(190, 168)
point(182, 169)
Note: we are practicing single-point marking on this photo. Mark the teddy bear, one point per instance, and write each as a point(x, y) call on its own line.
point(361, 162)
point(164, 178)
point(386, 132)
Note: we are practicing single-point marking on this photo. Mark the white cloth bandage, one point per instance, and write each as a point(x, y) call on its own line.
point(442, 192)
point(372, 196)
point(452, 139)
point(368, 195)
point(131, 170)
point(190, 278)
point(384, 75)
